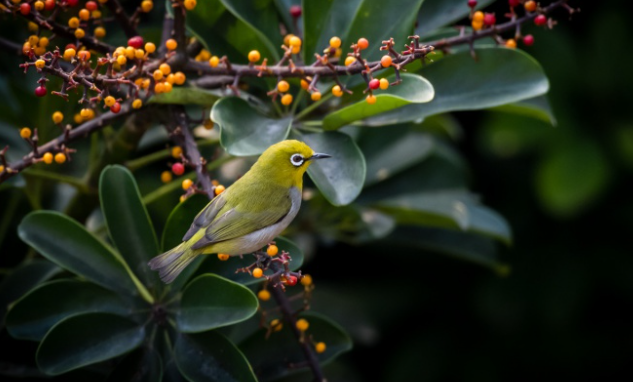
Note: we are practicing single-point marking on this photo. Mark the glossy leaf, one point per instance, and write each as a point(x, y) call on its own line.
point(537, 107)
point(211, 357)
point(243, 131)
point(499, 76)
point(141, 365)
point(86, 339)
point(341, 177)
point(128, 222)
point(413, 89)
point(211, 301)
point(187, 96)
point(269, 357)
point(68, 244)
point(438, 13)
point(43, 307)
point(227, 269)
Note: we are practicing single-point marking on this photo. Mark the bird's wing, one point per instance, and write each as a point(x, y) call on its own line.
point(206, 216)
point(243, 219)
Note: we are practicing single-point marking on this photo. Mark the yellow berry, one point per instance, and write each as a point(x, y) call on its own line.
point(48, 158)
point(171, 44)
point(165, 176)
point(320, 347)
point(96, 14)
point(40, 64)
point(33, 40)
point(511, 43)
point(186, 184)
point(254, 56)
point(349, 60)
point(179, 78)
point(158, 75)
point(219, 189)
point(296, 49)
point(159, 88)
point(43, 42)
point(165, 68)
point(272, 250)
point(176, 152)
point(384, 83)
point(170, 78)
point(150, 47)
point(80, 33)
point(121, 60)
point(214, 61)
point(39, 5)
point(78, 118)
point(87, 114)
point(25, 133)
point(315, 96)
point(73, 22)
point(303, 324)
point(146, 83)
point(287, 39)
point(306, 280)
point(147, 6)
point(60, 158)
point(286, 99)
point(294, 41)
point(100, 32)
point(139, 54)
point(58, 117)
point(283, 86)
point(190, 4)
point(1, 169)
point(137, 104)
point(478, 16)
point(167, 86)
point(109, 101)
point(258, 272)
point(32, 26)
point(477, 25)
point(263, 295)
point(130, 52)
point(335, 42)
point(204, 55)
point(69, 54)
point(39, 51)
point(336, 91)
point(276, 325)
point(223, 256)
point(305, 84)
point(371, 99)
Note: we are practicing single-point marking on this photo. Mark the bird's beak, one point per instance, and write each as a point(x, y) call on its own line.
point(320, 156)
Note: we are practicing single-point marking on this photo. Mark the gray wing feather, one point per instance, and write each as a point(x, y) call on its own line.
point(206, 216)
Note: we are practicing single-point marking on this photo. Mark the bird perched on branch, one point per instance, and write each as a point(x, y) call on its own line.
point(247, 215)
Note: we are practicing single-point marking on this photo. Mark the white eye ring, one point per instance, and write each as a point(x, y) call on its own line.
point(296, 160)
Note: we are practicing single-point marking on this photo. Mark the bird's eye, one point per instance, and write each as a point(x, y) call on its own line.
point(296, 160)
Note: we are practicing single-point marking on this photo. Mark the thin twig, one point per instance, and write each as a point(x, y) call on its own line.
point(128, 27)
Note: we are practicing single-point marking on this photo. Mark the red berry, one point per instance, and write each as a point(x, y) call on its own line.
point(71, 3)
point(490, 19)
point(472, 3)
point(115, 108)
point(295, 11)
point(292, 280)
point(513, 3)
point(540, 20)
point(40, 91)
point(71, 46)
point(25, 8)
point(178, 168)
point(135, 42)
point(49, 5)
point(374, 84)
point(91, 6)
point(528, 40)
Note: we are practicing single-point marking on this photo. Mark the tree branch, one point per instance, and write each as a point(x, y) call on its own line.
point(128, 27)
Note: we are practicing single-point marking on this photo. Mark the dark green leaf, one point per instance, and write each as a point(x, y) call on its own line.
point(341, 177)
point(413, 89)
point(211, 301)
point(243, 131)
point(537, 107)
point(270, 357)
point(438, 13)
point(22, 279)
point(43, 307)
point(499, 76)
point(187, 96)
point(68, 244)
point(211, 357)
point(141, 365)
point(129, 225)
point(227, 268)
point(86, 339)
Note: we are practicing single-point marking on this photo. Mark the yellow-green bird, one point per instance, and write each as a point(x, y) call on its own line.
point(247, 215)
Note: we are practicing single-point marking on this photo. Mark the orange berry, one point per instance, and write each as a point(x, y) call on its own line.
point(186, 184)
point(96, 14)
point(296, 49)
point(223, 256)
point(349, 60)
point(158, 75)
point(320, 347)
point(302, 324)
point(258, 272)
point(84, 14)
point(39, 5)
point(139, 54)
point(159, 88)
point(165, 176)
point(384, 83)
point(168, 87)
point(100, 32)
point(33, 40)
point(511, 43)
point(283, 86)
point(40, 64)
point(386, 61)
point(43, 42)
point(286, 99)
point(190, 4)
point(336, 91)
point(214, 61)
point(263, 295)
point(478, 16)
point(219, 189)
point(294, 41)
point(176, 152)
point(48, 158)
point(315, 96)
point(109, 101)
point(371, 99)
point(287, 39)
point(165, 68)
point(530, 6)
point(306, 280)
point(170, 78)
point(73, 22)
point(276, 325)
point(147, 6)
point(58, 117)
point(69, 54)
point(254, 56)
point(80, 33)
point(25, 133)
point(150, 47)
point(477, 25)
point(305, 84)
point(272, 250)
point(60, 158)
point(171, 44)
point(179, 78)
point(362, 43)
point(335, 42)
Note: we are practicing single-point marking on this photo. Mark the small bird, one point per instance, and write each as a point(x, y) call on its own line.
point(247, 215)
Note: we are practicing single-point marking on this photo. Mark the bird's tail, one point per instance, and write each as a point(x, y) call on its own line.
point(171, 263)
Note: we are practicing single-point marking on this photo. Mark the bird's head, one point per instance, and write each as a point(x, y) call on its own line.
point(287, 160)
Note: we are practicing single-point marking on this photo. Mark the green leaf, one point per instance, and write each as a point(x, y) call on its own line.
point(392, 149)
point(141, 365)
point(499, 76)
point(271, 356)
point(211, 357)
point(243, 131)
point(43, 307)
point(187, 96)
point(413, 89)
point(128, 222)
point(66, 243)
point(22, 279)
point(572, 176)
point(211, 301)
point(86, 339)
point(537, 107)
point(438, 13)
point(227, 268)
point(341, 177)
